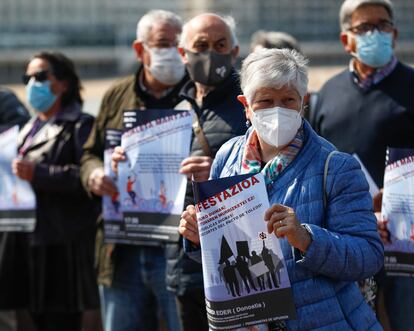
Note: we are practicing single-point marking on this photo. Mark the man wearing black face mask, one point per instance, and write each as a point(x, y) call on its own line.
point(209, 48)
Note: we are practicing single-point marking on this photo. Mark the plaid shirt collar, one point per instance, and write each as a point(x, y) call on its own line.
point(376, 77)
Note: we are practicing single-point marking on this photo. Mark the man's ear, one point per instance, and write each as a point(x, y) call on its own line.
point(346, 42)
point(138, 48)
point(394, 40)
point(235, 52)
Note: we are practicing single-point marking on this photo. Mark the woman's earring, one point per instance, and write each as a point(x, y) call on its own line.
point(248, 124)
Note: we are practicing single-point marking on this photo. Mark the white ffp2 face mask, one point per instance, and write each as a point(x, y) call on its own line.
point(166, 65)
point(276, 126)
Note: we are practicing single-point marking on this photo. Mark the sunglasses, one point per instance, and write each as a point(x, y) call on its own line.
point(39, 76)
point(363, 28)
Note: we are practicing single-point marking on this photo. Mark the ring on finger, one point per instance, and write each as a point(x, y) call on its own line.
point(280, 223)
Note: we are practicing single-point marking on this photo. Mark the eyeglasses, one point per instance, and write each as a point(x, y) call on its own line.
point(162, 44)
point(39, 76)
point(363, 28)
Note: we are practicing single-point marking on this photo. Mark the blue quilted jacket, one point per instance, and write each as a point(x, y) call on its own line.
point(346, 246)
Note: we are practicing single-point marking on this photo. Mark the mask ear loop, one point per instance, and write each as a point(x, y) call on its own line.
point(302, 111)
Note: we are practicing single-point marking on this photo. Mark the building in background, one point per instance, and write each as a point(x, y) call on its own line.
point(98, 33)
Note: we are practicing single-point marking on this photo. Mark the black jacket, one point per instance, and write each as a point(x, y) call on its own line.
point(64, 210)
point(221, 117)
point(366, 121)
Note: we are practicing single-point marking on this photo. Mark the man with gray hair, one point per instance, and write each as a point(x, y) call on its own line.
point(366, 109)
point(132, 278)
point(209, 48)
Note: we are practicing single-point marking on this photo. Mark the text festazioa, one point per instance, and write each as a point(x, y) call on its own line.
point(230, 192)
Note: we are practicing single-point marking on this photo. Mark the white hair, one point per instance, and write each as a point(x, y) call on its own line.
point(273, 68)
point(349, 6)
point(146, 23)
point(227, 19)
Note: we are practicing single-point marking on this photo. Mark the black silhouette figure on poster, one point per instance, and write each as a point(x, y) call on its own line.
point(243, 268)
point(254, 259)
point(242, 274)
point(221, 274)
point(279, 265)
point(129, 188)
point(268, 260)
point(225, 250)
point(230, 277)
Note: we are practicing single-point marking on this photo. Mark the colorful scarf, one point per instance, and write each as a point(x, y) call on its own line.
point(252, 162)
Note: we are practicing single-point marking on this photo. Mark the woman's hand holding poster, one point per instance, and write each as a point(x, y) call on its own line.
point(245, 277)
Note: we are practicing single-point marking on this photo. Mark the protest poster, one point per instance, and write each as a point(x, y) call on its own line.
point(17, 199)
point(373, 188)
point(114, 226)
point(398, 211)
point(245, 277)
point(152, 190)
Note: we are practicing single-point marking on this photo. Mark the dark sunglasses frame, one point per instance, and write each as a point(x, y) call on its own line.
point(363, 28)
point(39, 76)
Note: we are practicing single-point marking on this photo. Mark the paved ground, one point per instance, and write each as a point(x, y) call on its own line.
point(94, 89)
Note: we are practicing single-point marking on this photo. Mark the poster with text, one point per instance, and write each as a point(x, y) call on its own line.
point(111, 207)
point(245, 277)
point(398, 210)
point(17, 199)
point(152, 190)
point(373, 188)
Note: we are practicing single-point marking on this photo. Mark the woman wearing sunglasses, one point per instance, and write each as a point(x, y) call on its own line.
point(60, 273)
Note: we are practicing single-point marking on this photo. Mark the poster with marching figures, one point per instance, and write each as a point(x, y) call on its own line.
point(114, 225)
point(245, 277)
point(398, 211)
point(151, 189)
point(17, 199)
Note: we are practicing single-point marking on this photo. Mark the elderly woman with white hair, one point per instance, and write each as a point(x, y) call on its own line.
point(328, 232)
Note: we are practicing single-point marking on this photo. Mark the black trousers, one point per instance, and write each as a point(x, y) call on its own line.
point(192, 310)
point(57, 321)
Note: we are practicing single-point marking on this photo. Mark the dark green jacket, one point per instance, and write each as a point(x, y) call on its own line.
point(124, 94)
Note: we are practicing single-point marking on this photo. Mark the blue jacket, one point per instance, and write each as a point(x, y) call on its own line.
point(346, 246)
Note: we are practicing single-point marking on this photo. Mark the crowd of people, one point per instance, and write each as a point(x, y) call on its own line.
point(256, 119)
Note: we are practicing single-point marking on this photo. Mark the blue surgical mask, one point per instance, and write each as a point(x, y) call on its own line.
point(39, 95)
point(374, 48)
